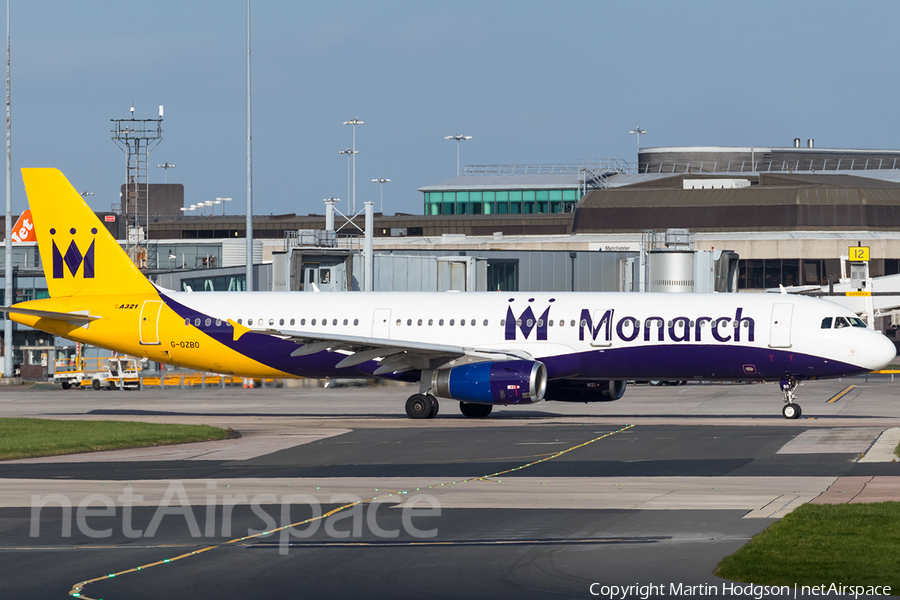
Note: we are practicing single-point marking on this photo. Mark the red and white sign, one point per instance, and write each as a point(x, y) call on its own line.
point(24, 229)
point(110, 218)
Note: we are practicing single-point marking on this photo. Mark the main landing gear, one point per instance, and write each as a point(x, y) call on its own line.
point(425, 406)
point(422, 406)
point(791, 409)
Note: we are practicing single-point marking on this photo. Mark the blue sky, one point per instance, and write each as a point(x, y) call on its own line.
point(532, 82)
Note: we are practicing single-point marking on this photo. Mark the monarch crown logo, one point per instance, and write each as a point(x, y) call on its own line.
point(526, 322)
point(73, 258)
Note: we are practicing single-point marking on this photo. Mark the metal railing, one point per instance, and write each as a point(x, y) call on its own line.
point(320, 238)
point(607, 165)
point(771, 166)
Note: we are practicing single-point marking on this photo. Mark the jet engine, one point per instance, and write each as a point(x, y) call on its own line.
point(585, 391)
point(503, 382)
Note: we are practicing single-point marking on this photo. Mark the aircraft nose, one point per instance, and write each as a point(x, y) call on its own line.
point(881, 351)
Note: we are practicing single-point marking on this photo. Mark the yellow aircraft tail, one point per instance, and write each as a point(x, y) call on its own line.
point(79, 255)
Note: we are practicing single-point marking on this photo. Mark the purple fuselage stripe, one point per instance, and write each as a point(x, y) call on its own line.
point(683, 361)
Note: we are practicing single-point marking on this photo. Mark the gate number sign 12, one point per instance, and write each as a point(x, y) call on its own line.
point(859, 253)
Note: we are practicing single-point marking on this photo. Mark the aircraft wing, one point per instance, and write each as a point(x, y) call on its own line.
point(393, 356)
point(77, 318)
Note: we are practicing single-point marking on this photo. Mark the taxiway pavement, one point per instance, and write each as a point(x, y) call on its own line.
point(333, 493)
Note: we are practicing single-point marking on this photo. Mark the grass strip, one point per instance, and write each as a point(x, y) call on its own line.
point(849, 544)
point(26, 438)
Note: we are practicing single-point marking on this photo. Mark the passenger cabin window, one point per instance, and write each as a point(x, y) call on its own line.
point(826, 323)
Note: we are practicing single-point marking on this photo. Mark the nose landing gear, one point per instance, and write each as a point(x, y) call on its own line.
point(791, 409)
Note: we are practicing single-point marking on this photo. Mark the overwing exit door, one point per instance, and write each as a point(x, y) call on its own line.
point(381, 323)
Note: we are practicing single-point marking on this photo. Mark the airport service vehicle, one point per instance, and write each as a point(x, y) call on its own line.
point(480, 349)
point(112, 371)
point(121, 371)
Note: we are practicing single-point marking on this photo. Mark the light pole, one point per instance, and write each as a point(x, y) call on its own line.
point(382, 181)
point(350, 152)
point(223, 201)
point(354, 121)
point(638, 131)
point(459, 138)
point(166, 166)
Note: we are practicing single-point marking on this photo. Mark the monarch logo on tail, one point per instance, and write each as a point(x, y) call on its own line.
point(73, 258)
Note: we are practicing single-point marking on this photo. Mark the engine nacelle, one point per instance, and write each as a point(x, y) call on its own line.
point(503, 382)
point(585, 391)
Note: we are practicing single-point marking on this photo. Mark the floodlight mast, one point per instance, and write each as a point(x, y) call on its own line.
point(7, 325)
point(382, 181)
point(165, 166)
point(354, 121)
point(350, 152)
point(638, 131)
point(249, 218)
point(459, 138)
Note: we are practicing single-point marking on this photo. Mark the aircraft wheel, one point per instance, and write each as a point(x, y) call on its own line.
point(477, 411)
point(96, 384)
point(418, 406)
point(655, 382)
point(435, 405)
point(791, 411)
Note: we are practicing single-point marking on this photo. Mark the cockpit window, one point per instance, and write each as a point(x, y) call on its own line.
point(826, 323)
point(841, 322)
point(856, 322)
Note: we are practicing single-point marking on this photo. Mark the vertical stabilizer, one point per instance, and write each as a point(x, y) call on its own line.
point(79, 255)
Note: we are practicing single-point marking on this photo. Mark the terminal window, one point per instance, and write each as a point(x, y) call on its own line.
point(490, 202)
point(770, 273)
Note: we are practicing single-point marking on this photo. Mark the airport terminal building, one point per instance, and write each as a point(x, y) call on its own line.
point(783, 216)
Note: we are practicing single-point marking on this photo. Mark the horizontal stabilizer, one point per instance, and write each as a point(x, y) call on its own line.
point(76, 318)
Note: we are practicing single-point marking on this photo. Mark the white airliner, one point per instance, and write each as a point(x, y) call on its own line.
point(481, 349)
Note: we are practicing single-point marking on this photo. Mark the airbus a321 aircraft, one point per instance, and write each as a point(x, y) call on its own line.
point(481, 349)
